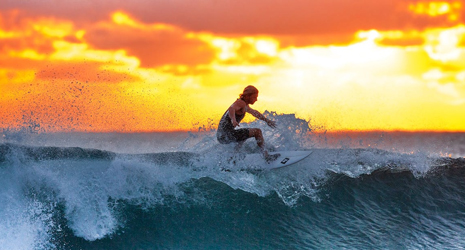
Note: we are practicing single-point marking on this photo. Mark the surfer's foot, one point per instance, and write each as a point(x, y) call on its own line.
point(271, 158)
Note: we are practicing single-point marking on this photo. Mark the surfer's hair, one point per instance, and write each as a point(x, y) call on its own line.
point(249, 90)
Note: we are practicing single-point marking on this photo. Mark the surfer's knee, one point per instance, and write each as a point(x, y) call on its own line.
point(258, 135)
point(255, 132)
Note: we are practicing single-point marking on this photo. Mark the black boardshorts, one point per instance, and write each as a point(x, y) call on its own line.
point(235, 135)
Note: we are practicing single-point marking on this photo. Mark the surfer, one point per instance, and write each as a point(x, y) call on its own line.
point(230, 120)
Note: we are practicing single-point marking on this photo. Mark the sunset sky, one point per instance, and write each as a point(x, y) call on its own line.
point(166, 65)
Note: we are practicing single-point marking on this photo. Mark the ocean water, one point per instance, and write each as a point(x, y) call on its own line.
point(171, 191)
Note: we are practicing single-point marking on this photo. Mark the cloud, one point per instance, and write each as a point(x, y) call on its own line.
point(449, 9)
point(315, 39)
point(154, 45)
point(18, 32)
point(245, 50)
point(173, 50)
point(402, 41)
point(332, 21)
point(280, 17)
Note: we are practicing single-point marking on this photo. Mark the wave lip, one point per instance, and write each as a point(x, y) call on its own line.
point(53, 153)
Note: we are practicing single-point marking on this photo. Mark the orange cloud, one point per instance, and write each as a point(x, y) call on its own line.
point(316, 22)
point(453, 9)
point(153, 44)
point(19, 35)
point(243, 50)
point(401, 38)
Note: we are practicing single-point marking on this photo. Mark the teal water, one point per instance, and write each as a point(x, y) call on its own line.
point(75, 198)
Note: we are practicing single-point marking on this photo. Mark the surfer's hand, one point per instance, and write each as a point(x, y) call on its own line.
point(235, 124)
point(271, 123)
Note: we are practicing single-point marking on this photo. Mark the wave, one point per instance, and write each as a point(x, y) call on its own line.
point(53, 195)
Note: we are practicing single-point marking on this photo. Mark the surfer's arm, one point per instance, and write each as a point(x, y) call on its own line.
point(232, 112)
point(232, 116)
point(260, 116)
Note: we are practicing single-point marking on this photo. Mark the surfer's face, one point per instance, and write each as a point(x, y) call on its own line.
point(252, 98)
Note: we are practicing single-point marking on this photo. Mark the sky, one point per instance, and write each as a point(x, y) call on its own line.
point(175, 65)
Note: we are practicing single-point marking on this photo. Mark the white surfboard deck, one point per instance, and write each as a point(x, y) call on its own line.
point(285, 159)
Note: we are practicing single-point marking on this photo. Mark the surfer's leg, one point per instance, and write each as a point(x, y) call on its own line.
point(257, 133)
point(240, 136)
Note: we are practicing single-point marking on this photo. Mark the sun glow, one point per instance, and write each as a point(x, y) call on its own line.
point(443, 45)
point(124, 73)
point(334, 57)
point(265, 46)
point(227, 47)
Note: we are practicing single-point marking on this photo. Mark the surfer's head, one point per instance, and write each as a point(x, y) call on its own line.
point(249, 94)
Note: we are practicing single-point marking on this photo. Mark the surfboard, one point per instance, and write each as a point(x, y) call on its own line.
point(286, 158)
